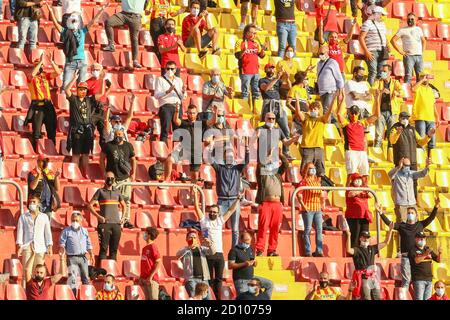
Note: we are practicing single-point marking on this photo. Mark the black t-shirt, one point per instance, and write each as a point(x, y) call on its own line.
point(197, 263)
point(239, 255)
point(248, 296)
point(114, 152)
point(364, 257)
point(284, 9)
point(421, 271)
point(272, 93)
point(81, 111)
point(386, 98)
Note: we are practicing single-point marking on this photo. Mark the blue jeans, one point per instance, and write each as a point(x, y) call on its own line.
point(248, 80)
point(411, 63)
point(422, 289)
point(80, 264)
point(375, 66)
point(27, 28)
point(242, 285)
point(12, 7)
point(309, 218)
point(423, 127)
point(190, 287)
point(326, 99)
point(405, 268)
point(224, 205)
point(70, 68)
point(286, 32)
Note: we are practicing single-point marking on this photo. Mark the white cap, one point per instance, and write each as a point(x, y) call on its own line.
point(378, 9)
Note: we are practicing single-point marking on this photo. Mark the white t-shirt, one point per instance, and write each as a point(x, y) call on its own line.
point(215, 228)
point(411, 39)
point(71, 6)
point(358, 87)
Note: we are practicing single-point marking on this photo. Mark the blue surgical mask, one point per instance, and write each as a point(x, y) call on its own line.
point(245, 246)
point(108, 287)
point(221, 119)
point(406, 169)
point(411, 217)
point(145, 236)
point(421, 243)
point(313, 114)
point(440, 292)
point(215, 79)
point(383, 75)
point(312, 171)
point(252, 290)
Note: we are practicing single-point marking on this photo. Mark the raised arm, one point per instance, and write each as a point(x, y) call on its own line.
point(340, 112)
point(62, 269)
point(38, 66)
point(232, 209)
point(373, 118)
point(348, 244)
point(350, 32)
point(53, 18)
point(388, 237)
point(432, 216)
point(130, 113)
point(176, 119)
point(69, 86)
point(198, 211)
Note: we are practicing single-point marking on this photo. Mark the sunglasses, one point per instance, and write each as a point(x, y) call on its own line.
point(270, 118)
point(171, 68)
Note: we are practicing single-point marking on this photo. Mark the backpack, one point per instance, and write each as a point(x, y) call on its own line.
point(155, 170)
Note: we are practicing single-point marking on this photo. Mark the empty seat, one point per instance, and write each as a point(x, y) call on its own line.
point(134, 293)
point(72, 195)
point(309, 271)
point(159, 150)
point(14, 268)
point(111, 267)
point(144, 220)
point(176, 269)
point(18, 79)
point(23, 147)
point(143, 197)
point(72, 172)
point(167, 220)
point(131, 269)
point(63, 292)
point(8, 195)
point(87, 292)
point(15, 292)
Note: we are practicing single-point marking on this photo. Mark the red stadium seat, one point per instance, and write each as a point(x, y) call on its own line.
point(395, 271)
point(46, 147)
point(428, 31)
point(309, 271)
point(115, 103)
point(72, 172)
point(131, 269)
point(112, 267)
point(15, 292)
point(149, 82)
point(87, 292)
point(18, 79)
point(210, 197)
point(446, 51)
point(421, 11)
point(163, 276)
point(100, 37)
point(207, 173)
point(335, 271)
point(164, 197)
point(402, 294)
point(253, 221)
point(14, 268)
point(63, 292)
point(145, 39)
point(8, 195)
point(72, 195)
point(442, 31)
point(228, 292)
point(150, 60)
point(110, 60)
point(144, 220)
point(12, 33)
point(159, 150)
point(7, 221)
point(123, 37)
point(143, 197)
point(94, 173)
point(180, 293)
point(293, 175)
point(23, 147)
point(134, 293)
point(195, 83)
point(20, 100)
point(185, 198)
point(355, 48)
point(7, 168)
point(18, 124)
point(348, 270)
point(17, 57)
point(142, 173)
point(167, 220)
point(400, 9)
point(142, 150)
point(398, 68)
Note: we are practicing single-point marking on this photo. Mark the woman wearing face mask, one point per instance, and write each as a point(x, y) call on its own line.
point(357, 213)
point(439, 288)
point(109, 291)
point(298, 98)
point(288, 64)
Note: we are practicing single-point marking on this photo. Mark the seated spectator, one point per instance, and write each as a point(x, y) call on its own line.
point(439, 289)
point(195, 265)
point(168, 43)
point(241, 259)
point(214, 92)
point(323, 291)
point(150, 263)
point(357, 92)
point(254, 291)
point(109, 291)
point(44, 183)
point(201, 292)
point(115, 121)
point(421, 258)
point(192, 31)
point(40, 287)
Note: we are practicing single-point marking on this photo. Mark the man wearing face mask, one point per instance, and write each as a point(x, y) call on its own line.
point(115, 121)
point(150, 264)
point(121, 161)
point(109, 290)
point(214, 92)
point(168, 44)
point(323, 291)
point(109, 218)
point(439, 289)
point(76, 243)
point(407, 229)
point(329, 79)
point(212, 228)
point(391, 103)
point(34, 237)
point(254, 291)
point(195, 265)
point(357, 92)
point(367, 285)
point(413, 47)
point(40, 286)
point(374, 43)
point(421, 258)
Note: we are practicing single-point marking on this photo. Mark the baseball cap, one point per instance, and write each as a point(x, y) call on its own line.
point(404, 114)
point(355, 176)
point(115, 117)
point(268, 66)
point(365, 234)
point(82, 84)
point(420, 234)
point(378, 9)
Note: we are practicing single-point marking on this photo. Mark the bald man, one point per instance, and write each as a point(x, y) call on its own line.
point(214, 91)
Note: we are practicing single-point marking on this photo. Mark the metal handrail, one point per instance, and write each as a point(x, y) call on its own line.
point(19, 189)
point(293, 198)
point(166, 184)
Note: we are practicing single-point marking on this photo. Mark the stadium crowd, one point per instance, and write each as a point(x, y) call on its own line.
point(372, 97)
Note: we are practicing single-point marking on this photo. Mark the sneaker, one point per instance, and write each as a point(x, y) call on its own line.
point(272, 254)
point(317, 254)
point(242, 26)
point(202, 54)
point(137, 65)
point(110, 48)
point(259, 253)
point(128, 225)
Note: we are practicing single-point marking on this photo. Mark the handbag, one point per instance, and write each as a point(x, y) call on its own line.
point(384, 51)
point(316, 85)
point(325, 21)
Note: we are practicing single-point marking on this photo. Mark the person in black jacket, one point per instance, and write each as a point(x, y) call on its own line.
point(27, 15)
point(407, 231)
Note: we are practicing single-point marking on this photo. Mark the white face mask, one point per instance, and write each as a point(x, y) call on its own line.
point(357, 183)
point(215, 79)
point(440, 292)
point(411, 217)
point(270, 125)
point(404, 122)
point(33, 207)
point(108, 287)
point(76, 225)
point(421, 243)
point(365, 244)
point(323, 57)
point(170, 73)
point(195, 12)
point(290, 54)
point(96, 73)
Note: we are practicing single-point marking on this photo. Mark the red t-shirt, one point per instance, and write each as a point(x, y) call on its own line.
point(358, 207)
point(187, 25)
point(250, 58)
point(336, 54)
point(354, 138)
point(149, 256)
point(167, 40)
point(94, 86)
point(36, 292)
point(321, 14)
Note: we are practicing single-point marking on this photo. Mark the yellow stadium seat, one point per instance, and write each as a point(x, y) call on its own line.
point(268, 6)
point(235, 83)
point(299, 21)
point(385, 199)
point(446, 217)
point(445, 202)
point(229, 41)
point(229, 21)
point(274, 60)
point(301, 46)
point(309, 24)
point(269, 23)
point(441, 10)
point(302, 62)
point(379, 177)
point(421, 157)
point(442, 179)
point(339, 199)
point(334, 154)
point(378, 154)
point(213, 61)
point(439, 157)
point(427, 182)
point(337, 175)
point(226, 5)
point(370, 136)
point(257, 108)
point(425, 200)
point(312, 46)
point(273, 44)
point(232, 63)
point(440, 272)
point(212, 21)
point(241, 106)
point(331, 134)
point(193, 62)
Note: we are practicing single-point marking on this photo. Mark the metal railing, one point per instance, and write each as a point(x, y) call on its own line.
point(19, 190)
point(293, 199)
point(166, 184)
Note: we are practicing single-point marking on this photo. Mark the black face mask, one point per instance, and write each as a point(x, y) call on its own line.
point(38, 278)
point(118, 139)
point(41, 70)
point(109, 181)
point(359, 78)
point(410, 22)
point(170, 29)
point(212, 216)
point(323, 284)
point(270, 74)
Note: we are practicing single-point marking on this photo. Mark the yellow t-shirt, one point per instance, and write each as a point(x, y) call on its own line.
point(423, 106)
point(291, 67)
point(313, 130)
point(298, 92)
point(328, 293)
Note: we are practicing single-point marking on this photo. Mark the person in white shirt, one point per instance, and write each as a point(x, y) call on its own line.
point(34, 237)
point(212, 228)
point(170, 92)
point(70, 7)
point(413, 46)
point(357, 92)
point(115, 121)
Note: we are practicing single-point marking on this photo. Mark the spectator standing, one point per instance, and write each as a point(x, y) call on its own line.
point(96, 87)
point(109, 290)
point(150, 264)
point(407, 230)
point(40, 286)
point(41, 110)
point(130, 16)
point(367, 286)
point(366, 7)
point(247, 52)
point(311, 207)
point(241, 259)
point(245, 4)
point(374, 43)
point(421, 258)
point(212, 228)
point(391, 103)
point(192, 31)
point(439, 289)
point(424, 112)
point(168, 44)
point(34, 237)
point(286, 28)
point(357, 92)
point(121, 161)
point(214, 92)
point(75, 243)
point(254, 291)
point(195, 265)
point(298, 97)
point(170, 92)
point(109, 218)
point(44, 183)
point(413, 46)
point(323, 291)
point(329, 79)
point(27, 14)
point(115, 121)
point(326, 15)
